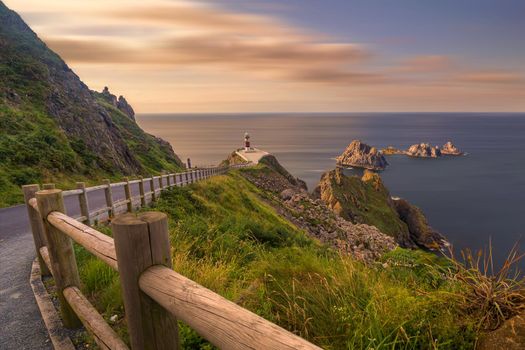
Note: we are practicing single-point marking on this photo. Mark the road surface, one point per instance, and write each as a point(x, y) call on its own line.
point(21, 326)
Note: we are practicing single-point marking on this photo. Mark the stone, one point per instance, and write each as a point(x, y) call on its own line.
point(450, 150)
point(510, 336)
point(361, 155)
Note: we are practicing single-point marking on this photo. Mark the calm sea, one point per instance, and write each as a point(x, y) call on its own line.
point(469, 199)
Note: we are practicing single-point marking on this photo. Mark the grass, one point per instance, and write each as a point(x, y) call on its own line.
point(225, 238)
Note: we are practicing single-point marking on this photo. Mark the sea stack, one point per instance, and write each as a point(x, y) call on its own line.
point(361, 155)
point(450, 150)
point(423, 150)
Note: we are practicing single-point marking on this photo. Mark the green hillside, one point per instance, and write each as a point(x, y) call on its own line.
point(53, 127)
point(227, 238)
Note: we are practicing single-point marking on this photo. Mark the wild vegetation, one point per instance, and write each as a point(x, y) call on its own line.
point(54, 129)
point(225, 237)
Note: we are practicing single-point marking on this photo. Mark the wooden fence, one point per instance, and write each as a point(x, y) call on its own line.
point(154, 295)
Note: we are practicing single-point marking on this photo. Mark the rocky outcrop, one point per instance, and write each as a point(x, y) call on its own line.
point(391, 150)
point(510, 336)
point(423, 150)
point(121, 104)
point(420, 231)
point(361, 155)
point(363, 201)
point(364, 242)
point(270, 161)
point(450, 150)
point(366, 200)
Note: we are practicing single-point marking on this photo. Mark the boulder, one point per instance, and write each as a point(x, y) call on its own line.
point(510, 336)
point(361, 155)
point(451, 150)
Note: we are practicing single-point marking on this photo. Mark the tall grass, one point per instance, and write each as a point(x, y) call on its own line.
point(226, 238)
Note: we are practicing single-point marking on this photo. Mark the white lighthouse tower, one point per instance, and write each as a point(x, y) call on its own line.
point(247, 146)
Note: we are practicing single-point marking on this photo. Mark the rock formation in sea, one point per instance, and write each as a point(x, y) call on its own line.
point(391, 150)
point(361, 155)
point(366, 200)
point(451, 150)
point(423, 150)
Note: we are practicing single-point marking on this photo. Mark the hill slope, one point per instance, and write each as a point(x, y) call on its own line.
point(52, 124)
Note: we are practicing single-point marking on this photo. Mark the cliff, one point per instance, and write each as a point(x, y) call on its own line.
point(53, 125)
point(361, 155)
point(366, 200)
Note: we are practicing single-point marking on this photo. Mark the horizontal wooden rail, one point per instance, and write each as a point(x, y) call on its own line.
point(104, 336)
point(96, 188)
point(222, 322)
point(71, 193)
point(54, 231)
point(95, 242)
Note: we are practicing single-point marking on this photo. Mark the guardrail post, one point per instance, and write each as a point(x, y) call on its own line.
point(61, 253)
point(142, 193)
point(83, 201)
point(127, 191)
point(152, 188)
point(37, 227)
point(142, 241)
point(108, 193)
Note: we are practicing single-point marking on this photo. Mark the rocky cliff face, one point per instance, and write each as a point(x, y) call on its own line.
point(361, 155)
point(423, 150)
point(366, 200)
point(79, 130)
point(364, 242)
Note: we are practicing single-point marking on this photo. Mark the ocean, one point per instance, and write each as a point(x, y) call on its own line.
point(472, 199)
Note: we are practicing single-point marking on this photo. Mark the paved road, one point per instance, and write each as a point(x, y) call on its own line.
point(21, 326)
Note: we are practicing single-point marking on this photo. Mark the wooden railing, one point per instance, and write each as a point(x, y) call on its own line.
point(154, 295)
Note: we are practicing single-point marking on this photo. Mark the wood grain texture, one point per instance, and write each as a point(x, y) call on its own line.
point(104, 336)
point(142, 241)
point(222, 322)
point(37, 225)
point(83, 202)
point(61, 253)
point(97, 243)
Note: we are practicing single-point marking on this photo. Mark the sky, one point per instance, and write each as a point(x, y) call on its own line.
point(179, 56)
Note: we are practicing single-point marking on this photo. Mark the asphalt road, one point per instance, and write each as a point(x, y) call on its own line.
point(21, 326)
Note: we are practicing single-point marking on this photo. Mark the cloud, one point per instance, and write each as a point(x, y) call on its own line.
point(492, 77)
point(425, 64)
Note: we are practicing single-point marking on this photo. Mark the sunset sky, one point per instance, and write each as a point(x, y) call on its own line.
point(292, 56)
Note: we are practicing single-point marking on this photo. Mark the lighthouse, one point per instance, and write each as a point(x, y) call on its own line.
point(247, 142)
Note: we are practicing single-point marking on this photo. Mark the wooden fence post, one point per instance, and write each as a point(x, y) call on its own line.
point(141, 241)
point(187, 179)
point(108, 193)
point(37, 227)
point(152, 189)
point(160, 182)
point(142, 193)
point(127, 191)
point(168, 182)
point(61, 253)
point(83, 201)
